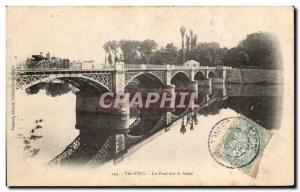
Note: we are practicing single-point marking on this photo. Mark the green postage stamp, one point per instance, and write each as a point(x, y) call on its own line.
point(238, 142)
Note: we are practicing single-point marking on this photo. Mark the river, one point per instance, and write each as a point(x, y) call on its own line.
point(50, 129)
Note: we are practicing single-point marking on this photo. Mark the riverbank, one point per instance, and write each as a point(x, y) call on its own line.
point(254, 76)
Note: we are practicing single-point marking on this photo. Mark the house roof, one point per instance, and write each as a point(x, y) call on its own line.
point(191, 62)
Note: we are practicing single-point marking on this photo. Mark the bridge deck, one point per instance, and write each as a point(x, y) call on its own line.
point(129, 68)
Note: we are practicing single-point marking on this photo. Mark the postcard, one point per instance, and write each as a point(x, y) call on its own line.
point(150, 96)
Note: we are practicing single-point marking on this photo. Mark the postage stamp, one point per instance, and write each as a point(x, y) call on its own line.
point(238, 142)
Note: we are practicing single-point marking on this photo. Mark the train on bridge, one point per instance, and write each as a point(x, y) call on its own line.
point(39, 61)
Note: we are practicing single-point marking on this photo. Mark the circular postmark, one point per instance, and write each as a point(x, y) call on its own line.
point(234, 142)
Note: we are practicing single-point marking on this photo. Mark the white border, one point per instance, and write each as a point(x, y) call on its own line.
point(3, 4)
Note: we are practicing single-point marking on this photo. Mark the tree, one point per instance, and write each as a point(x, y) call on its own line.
point(106, 49)
point(258, 50)
point(166, 55)
point(146, 49)
point(243, 59)
point(182, 32)
point(113, 45)
point(110, 48)
point(194, 41)
point(191, 39)
point(109, 59)
point(207, 53)
point(171, 53)
point(158, 57)
point(262, 51)
point(130, 51)
point(191, 34)
point(187, 44)
point(190, 45)
point(231, 58)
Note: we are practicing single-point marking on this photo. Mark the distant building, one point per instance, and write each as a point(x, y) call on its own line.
point(88, 64)
point(191, 63)
point(76, 64)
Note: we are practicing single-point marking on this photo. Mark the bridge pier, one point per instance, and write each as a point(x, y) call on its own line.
point(168, 76)
point(170, 88)
point(221, 74)
point(119, 78)
point(224, 75)
point(221, 91)
point(118, 88)
point(124, 108)
point(192, 75)
point(194, 86)
point(210, 86)
point(210, 82)
point(91, 104)
point(204, 82)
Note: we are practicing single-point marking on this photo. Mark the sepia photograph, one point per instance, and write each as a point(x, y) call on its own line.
point(150, 96)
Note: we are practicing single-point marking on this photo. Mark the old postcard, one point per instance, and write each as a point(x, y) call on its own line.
point(150, 96)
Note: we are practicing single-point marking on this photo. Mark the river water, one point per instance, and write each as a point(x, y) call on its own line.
point(50, 129)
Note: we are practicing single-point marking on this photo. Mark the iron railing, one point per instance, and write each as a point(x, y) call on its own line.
point(126, 67)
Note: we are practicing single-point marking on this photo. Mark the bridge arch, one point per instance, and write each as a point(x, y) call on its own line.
point(133, 76)
point(200, 75)
point(81, 82)
point(181, 81)
point(181, 73)
point(211, 74)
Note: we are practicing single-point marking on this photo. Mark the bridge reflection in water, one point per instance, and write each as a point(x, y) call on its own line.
point(107, 137)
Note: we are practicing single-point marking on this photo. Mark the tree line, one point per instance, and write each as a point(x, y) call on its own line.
point(257, 50)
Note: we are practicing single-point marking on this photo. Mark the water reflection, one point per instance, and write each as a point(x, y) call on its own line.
point(105, 137)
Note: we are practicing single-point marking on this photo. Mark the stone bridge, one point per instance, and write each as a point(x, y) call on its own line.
point(116, 79)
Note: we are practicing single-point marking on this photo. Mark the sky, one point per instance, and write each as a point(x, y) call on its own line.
point(79, 33)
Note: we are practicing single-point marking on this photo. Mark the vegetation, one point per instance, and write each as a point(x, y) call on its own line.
point(258, 50)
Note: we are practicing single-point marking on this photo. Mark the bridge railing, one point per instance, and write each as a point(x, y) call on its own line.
point(133, 66)
point(124, 67)
point(144, 66)
point(153, 66)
